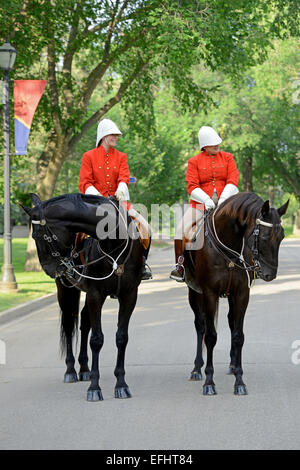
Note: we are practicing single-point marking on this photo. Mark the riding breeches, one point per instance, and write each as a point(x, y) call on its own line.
point(142, 226)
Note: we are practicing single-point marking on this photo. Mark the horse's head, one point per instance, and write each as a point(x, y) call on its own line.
point(265, 239)
point(56, 221)
point(53, 240)
point(246, 218)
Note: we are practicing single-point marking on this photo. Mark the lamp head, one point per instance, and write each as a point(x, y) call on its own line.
point(7, 56)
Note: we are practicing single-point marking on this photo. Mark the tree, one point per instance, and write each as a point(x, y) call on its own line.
point(121, 46)
point(262, 120)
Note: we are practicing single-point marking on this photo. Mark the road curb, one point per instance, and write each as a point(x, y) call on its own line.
point(24, 309)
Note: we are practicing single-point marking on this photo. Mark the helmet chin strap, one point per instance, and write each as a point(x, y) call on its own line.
point(104, 143)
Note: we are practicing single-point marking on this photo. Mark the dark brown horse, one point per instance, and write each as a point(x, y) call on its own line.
point(242, 238)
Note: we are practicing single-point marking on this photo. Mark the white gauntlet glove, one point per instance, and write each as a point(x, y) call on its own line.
point(199, 195)
point(122, 193)
point(229, 190)
point(92, 190)
point(209, 204)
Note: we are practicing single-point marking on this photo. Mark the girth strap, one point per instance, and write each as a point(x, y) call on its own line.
point(230, 268)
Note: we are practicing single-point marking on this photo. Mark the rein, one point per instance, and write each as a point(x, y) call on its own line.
point(215, 240)
point(255, 246)
point(51, 238)
point(219, 246)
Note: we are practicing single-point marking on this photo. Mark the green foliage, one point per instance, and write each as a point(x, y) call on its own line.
point(261, 120)
point(156, 68)
point(30, 285)
point(253, 119)
point(105, 42)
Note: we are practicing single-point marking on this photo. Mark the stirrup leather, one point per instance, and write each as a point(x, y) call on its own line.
point(147, 273)
point(180, 261)
point(178, 267)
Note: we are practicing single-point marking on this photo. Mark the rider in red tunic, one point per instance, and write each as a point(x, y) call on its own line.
point(104, 172)
point(212, 177)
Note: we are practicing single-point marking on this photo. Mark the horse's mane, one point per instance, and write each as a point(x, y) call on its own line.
point(77, 199)
point(242, 206)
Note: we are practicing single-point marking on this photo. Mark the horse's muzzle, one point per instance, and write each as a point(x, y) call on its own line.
point(50, 270)
point(268, 277)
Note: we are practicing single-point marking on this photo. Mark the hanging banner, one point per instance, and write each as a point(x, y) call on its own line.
point(27, 94)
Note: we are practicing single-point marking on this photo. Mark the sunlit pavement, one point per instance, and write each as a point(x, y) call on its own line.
point(39, 411)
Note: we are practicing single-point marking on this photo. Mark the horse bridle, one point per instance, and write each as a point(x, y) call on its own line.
point(68, 262)
point(255, 245)
point(219, 246)
point(48, 236)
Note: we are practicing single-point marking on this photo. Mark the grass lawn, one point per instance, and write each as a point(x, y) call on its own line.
point(30, 285)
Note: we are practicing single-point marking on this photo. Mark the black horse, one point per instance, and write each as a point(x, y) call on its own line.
point(108, 263)
point(242, 238)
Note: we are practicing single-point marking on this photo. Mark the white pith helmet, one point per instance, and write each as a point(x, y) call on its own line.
point(208, 136)
point(106, 127)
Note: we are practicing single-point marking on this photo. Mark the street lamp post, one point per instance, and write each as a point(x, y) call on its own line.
point(8, 281)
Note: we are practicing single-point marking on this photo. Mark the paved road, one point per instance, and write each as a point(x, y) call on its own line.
point(39, 411)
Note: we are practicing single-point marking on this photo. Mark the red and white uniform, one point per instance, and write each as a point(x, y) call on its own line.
point(103, 170)
point(209, 172)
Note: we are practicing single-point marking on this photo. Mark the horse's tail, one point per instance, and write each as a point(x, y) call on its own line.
point(69, 307)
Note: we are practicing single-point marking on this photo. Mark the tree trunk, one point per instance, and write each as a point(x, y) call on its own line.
point(32, 263)
point(296, 228)
point(48, 168)
point(61, 142)
point(246, 171)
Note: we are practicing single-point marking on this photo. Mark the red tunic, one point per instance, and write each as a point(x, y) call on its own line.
point(210, 172)
point(103, 170)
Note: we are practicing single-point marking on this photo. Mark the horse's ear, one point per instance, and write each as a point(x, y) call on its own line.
point(282, 210)
point(26, 209)
point(265, 209)
point(35, 199)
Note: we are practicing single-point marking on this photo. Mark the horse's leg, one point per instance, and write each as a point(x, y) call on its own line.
point(210, 339)
point(195, 301)
point(94, 304)
point(68, 300)
point(240, 305)
point(85, 326)
point(127, 304)
point(230, 318)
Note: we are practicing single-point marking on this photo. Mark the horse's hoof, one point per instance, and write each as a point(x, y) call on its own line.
point(94, 395)
point(231, 370)
point(240, 390)
point(209, 390)
point(195, 376)
point(84, 376)
point(122, 392)
point(70, 378)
